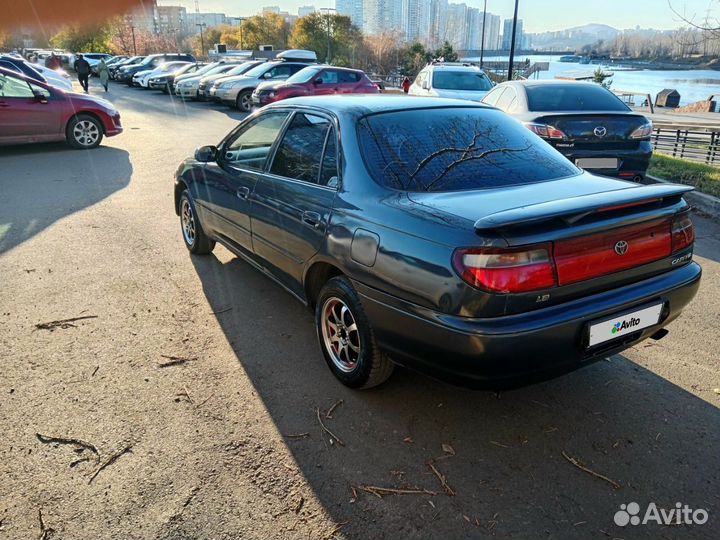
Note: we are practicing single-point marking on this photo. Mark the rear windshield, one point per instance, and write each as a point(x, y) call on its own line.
point(452, 149)
point(575, 97)
point(461, 80)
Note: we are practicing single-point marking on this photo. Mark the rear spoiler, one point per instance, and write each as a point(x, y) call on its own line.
point(574, 209)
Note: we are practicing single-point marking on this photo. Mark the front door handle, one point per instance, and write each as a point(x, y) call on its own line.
point(4, 104)
point(243, 192)
point(312, 218)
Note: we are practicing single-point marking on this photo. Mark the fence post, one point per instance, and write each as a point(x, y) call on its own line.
point(677, 141)
point(711, 149)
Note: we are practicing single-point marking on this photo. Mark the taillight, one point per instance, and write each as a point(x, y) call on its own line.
point(643, 132)
point(507, 270)
point(683, 233)
point(545, 131)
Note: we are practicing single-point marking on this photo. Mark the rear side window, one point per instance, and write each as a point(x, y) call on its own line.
point(507, 100)
point(452, 149)
point(300, 153)
point(349, 77)
point(572, 97)
point(494, 95)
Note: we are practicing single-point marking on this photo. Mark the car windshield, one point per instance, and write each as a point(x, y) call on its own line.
point(222, 68)
point(242, 68)
point(572, 97)
point(303, 76)
point(461, 80)
point(453, 149)
point(203, 70)
point(258, 71)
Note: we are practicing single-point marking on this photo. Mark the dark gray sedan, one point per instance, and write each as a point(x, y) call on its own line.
point(442, 235)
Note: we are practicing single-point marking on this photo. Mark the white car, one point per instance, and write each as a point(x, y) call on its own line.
point(142, 78)
point(58, 78)
point(451, 80)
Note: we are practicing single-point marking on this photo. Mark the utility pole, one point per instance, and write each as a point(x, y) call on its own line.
point(242, 20)
point(482, 39)
point(512, 43)
point(132, 29)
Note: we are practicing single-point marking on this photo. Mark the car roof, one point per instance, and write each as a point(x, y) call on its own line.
point(361, 105)
point(455, 67)
point(548, 82)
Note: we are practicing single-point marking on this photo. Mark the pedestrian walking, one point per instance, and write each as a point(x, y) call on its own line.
point(406, 85)
point(104, 74)
point(53, 62)
point(82, 68)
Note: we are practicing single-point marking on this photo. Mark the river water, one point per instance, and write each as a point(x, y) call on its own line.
point(693, 85)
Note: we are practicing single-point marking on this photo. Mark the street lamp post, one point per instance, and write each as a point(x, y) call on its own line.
point(512, 43)
point(482, 38)
point(132, 29)
point(202, 40)
point(328, 56)
point(242, 20)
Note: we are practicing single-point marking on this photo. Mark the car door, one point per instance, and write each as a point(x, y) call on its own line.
point(349, 81)
point(293, 200)
point(23, 117)
point(326, 82)
point(224, 191)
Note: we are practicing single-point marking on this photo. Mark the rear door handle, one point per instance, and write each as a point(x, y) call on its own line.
point(312, 218)
point(243, 192)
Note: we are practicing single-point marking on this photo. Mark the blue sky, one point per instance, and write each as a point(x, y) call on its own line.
point(539, 15)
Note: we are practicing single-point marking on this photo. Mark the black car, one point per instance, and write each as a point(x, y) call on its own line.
point(442, 235)
point(587, 123)
point(19, 65)
point(125, 73)
point(133, 60)
point(165, 81)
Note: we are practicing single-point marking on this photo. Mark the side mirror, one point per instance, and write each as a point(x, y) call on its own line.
point(40, 97)
point(267, 75)
point(206, 154)
point(425, 85)
point(318, 81)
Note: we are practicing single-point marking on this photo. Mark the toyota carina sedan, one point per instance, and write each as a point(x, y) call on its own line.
point(442, 235)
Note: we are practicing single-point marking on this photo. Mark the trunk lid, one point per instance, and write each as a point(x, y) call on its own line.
point(590, 130)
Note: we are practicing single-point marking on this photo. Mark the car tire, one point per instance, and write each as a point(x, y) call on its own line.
point(347, 338)
point(197, 242)
point(84, 132)
point(244, 101)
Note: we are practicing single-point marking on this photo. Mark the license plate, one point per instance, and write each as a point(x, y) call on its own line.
point(597, 163)
point(624, 324)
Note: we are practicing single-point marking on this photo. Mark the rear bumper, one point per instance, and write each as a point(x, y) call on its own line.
point(519, 348)
point(631, 162)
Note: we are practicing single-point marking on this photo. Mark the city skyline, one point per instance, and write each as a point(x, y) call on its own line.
point(539, 16)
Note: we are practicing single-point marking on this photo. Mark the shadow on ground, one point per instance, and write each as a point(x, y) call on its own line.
point(43, 183)
point(509, 474)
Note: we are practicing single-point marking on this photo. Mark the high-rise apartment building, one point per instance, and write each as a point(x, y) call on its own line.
point(172, 19)
point(304, 11)
point(418, 21)
point(507, 34)
point(381, 16)
point(353, 9)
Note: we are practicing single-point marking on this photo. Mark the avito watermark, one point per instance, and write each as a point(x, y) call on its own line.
point(681, 514)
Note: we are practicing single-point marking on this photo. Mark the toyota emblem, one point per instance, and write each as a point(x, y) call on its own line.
point(600, 131)
point(621, 248)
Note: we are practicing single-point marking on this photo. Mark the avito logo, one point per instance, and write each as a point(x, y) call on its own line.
point(624, 325)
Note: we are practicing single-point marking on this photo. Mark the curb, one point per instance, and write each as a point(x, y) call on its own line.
point(706, 204)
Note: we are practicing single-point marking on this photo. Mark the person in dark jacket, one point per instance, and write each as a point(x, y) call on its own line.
point(82, 68)
point(53, 61)
point(406, 85)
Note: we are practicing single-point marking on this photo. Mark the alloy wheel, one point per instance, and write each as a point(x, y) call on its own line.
point(86, 133)
point(187, 219)
point(340, 334)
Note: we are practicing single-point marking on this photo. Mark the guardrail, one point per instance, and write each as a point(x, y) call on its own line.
point(694, 143)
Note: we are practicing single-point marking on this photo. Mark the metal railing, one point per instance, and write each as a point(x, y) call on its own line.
point(694, 143)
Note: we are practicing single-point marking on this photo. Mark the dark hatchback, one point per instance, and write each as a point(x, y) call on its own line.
point(440, 235)
point(587, 123)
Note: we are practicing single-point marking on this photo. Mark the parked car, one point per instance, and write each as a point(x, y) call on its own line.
point(189, 87)
point(441, 234)
point(133, 60)
point(109, 62)
point(33, 111)
point(237, 91)
point(125, 73)
point(18, 65)
point(587, 123)
point(451, 80)
point(141, 78)
point(56, 77)
point(94, 59)
point(166, 81)
point(315, 81)
point(207, 82)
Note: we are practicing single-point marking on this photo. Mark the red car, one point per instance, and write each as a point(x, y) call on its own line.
point(316, 81)
point(31, 111)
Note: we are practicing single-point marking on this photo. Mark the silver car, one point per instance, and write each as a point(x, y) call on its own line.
point(451, 80)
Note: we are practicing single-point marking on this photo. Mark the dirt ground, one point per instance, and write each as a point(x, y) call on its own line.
point(225, 442)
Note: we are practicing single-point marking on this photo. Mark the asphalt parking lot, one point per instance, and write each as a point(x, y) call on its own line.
point(198, 383)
